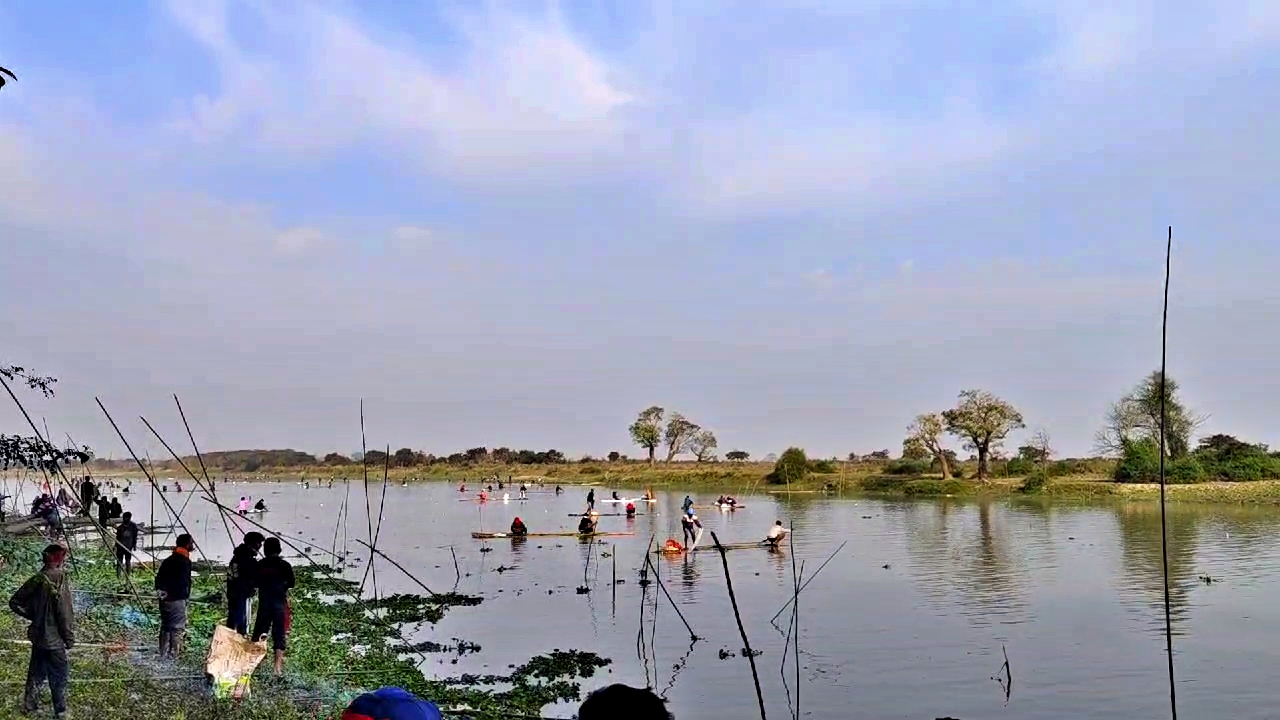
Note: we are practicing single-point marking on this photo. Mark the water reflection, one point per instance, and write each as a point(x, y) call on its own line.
point(1142, 585)
point(961, 555)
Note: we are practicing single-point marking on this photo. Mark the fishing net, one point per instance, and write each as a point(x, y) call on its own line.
point(232, 660)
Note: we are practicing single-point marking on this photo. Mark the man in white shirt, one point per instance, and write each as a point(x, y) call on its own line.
point(777, 533)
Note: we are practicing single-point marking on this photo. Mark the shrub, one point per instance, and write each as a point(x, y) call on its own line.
point(591, 470)
point(1241, 469)
point(1020, 466)
point(1140, 462)
point(791, 467)
point(1182, 471)
point(1035, 482)
point(822, 467)
point(882, 483)
point(907, 467)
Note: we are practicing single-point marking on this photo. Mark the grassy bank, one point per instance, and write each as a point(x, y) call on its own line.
point(338, 648)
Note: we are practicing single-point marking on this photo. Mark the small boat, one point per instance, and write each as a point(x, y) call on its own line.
point(727, 546)
point(730, 506)
point(567, 533)
point(619, 500)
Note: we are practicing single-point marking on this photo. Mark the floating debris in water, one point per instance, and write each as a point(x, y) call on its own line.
point(1207, 580)
point(885, 566)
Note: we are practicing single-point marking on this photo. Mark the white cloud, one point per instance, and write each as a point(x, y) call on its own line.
point(526, 90)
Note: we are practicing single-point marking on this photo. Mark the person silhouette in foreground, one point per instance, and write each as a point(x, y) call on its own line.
point(391, 703)
point(274, 580)
point(45, 600)
point(621, 702)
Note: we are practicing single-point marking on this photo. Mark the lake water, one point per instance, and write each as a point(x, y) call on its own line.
point(908, 621)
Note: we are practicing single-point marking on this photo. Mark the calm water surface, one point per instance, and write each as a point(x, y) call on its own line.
point(908, 621)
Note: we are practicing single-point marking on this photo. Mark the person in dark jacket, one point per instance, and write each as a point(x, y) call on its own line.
point(126, 543)
point(242, 579)
point(620, 700)
point(115, 510)
point(87, 494)
point(275, 579)
point(45, 600)
point(104, 510)
point(173, 585)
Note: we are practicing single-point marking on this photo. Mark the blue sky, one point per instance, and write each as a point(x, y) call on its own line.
point(518, 224)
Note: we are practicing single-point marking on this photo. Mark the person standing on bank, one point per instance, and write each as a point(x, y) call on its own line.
point(173, 584)
point(242, 579)
point(275, 579)
point(126, 543)
point(45, 600)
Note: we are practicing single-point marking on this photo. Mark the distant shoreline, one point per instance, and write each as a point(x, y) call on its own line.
point(743, 478)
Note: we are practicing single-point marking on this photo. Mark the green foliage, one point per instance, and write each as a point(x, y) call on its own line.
point(1137, 417)
point(823, 467)
point(913, 449)
point(336, 459)
point(791, 467)
point(906, 466)
point(737, 455)
point(1217, 457)
point(1139, 462)
point(932, 486)
point(646, 431)
point(1035, 483)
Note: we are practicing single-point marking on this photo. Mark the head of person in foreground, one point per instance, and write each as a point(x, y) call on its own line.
point(621, 702)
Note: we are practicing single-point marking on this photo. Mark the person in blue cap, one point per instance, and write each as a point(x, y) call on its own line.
point(391, 703)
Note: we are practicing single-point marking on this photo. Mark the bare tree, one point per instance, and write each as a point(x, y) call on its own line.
point(925, 433)
point(1136, 417)
point(680, 431)
point(703, 445)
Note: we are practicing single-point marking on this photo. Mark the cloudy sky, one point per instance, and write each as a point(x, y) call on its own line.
point(798, 222)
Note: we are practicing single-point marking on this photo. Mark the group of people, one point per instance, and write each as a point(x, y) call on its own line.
point(243, 506)
point(727, 500)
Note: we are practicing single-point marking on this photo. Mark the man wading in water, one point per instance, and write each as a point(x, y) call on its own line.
point(275, 579)
point(45, 600)
point(173, 584)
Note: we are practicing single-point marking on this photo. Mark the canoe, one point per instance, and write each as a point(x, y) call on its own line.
point(728, 506)
point(569, 533)
point(727, 546)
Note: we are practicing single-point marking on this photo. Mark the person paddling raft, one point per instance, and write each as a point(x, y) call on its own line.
point(524, 492)
point(687, 504)
point(243, 506)
point(518, 528)
point(776, 535)
point(687, 524)
point(587, 525)
point(591, 500)
point(261, 506)
point(631, 510)
point(615, 495)
point(559, 489)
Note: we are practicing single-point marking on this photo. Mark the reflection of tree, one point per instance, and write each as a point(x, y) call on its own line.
point(1139, 530)
point(961, 554)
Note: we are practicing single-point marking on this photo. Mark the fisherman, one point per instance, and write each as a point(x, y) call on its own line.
point(45, 601)
point(115, 510)
point(518, 529)
point(104, 510)
point(631, 510)
point(687, 504)
point(559, 489)
point(484, 496)
point(524, 492)
point(591, 499)
point(390, 703)
point(173, 585)
point(177, 487)
point(490, 488)
point(648, 494)
point(64, 498)
point(86, 496)
point(687, 524)
point(275, 579)
point(500, 485)
point(126, 543)
point(243, 506)
point(261, 506)
point(587, 525)
point(730, 501)
point(722, 501)
point(462, 487)
point(615, 495)
point(777, 534)
point(242, 578)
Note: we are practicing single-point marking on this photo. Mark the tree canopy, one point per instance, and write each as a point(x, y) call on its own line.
point(924, 440)
point(1136, 417)
point(646, 431)
point(982, 421)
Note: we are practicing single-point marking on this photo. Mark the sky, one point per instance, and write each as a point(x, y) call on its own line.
point(521, 223)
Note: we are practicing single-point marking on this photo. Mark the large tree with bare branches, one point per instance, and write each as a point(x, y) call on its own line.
point(982, 421)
